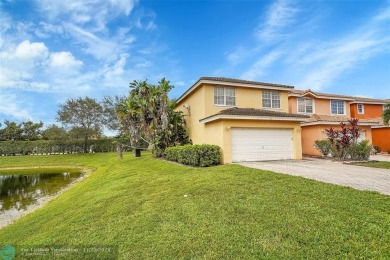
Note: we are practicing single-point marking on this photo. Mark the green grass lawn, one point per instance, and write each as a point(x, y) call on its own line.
point(139, 205)
point(375, 164)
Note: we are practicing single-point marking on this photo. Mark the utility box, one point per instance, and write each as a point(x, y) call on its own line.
point(137, 152)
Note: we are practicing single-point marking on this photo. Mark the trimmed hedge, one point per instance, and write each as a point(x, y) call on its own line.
point(56, 146)
point(202, 155)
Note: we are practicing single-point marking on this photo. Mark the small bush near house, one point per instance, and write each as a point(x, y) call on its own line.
point(360, 151)
point(203, 155)
point(324, 146)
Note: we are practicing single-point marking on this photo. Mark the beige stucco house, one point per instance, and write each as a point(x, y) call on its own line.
point(249, 120)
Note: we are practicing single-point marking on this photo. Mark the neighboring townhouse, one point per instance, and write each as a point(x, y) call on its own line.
point(373, 109)
point(329, 110)
point(249, 120)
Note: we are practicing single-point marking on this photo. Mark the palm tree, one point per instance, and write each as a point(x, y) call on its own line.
point(386, 114)
point(147, 113)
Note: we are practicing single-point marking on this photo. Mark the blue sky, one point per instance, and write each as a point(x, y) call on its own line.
point(51, 50)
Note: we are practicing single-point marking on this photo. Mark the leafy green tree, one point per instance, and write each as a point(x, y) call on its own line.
point(54, 132)
point(111, 106)
point(386, 114)
point(32, 131)
point(12, 131)
point(84, 114)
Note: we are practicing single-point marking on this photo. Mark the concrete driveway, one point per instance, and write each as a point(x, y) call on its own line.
point(358, 177)
point(380, 157)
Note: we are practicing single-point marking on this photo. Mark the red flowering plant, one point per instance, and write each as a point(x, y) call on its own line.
point(342, 140)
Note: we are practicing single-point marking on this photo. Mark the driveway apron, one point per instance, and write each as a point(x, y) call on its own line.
point(358, 177)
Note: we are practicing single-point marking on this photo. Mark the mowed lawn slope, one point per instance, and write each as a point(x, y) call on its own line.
point(151, 208)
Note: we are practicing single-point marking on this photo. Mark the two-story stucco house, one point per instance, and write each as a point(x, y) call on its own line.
point(328, 110)
point(249, 120)
point(367, 108)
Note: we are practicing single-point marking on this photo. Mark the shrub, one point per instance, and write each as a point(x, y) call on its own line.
point(56, 146)
point(324, 146)
point(203, 155)
point(360, 151)
point(209, 155)
point(172, 153)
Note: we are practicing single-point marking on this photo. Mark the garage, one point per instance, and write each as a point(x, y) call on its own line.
point(261, 144)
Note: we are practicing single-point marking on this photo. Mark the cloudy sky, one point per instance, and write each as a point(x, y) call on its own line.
point(51, 50)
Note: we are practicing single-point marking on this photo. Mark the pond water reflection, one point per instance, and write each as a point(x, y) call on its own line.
point(19, 191)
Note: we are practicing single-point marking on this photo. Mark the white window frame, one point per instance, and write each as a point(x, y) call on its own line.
point(306, 99)
point(225, 96)
point(335, 100)
point(357, 107)
point(271, 99)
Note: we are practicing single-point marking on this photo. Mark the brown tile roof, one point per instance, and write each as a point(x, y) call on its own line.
point(303, 92)
point(363, 99)
point(380, 120)
point(231, 80)
point(356, 99)
point(235, 111)
point(326, 118)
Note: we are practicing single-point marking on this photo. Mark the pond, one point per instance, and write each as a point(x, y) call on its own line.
point(22, 190)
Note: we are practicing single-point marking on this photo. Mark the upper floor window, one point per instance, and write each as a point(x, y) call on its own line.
point(224, 96)
point(337, 107)
point(271, 99)
point(360, 108)
point(305, 105)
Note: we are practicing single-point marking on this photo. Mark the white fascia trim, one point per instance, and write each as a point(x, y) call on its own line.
point(303, 95)
point(335, 123)
point(188, 91)
point(380, 126)
point(369, 102)
point(273, 118)
point(229, 84)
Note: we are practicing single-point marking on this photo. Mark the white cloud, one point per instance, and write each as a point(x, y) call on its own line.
point(105, 48)
point(13, 106)
point(117, 69)
point(240, 54)
point(179, 84)
point(280, 16)
point(261, 66)
point(144, 64)
point(31, 66)
point(308, 60)
point(96, 13)
point(29, 51)
point(64, 60)
point(46, 30)
point(330, 60)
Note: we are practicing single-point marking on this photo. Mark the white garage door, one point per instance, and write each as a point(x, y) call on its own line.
point(258, 144)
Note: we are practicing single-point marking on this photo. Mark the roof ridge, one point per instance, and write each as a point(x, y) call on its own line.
point(338, 95)
point(243, 81)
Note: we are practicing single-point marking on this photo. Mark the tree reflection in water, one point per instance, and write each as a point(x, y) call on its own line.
point(18, 191)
